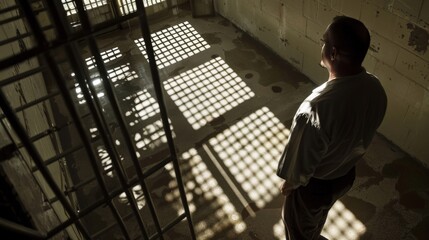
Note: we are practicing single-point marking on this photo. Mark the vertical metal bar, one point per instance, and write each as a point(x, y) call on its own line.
point(20, 131)
point(61, 22)
point(116, 10)
point(163, 110)
point(93, 160)
point(26, 142)
point(115, 106)
point(127, 137)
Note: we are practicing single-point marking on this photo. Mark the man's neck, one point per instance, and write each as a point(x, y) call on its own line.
point(344, 73)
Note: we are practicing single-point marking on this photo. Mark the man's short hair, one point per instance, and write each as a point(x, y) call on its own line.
point(350, 37)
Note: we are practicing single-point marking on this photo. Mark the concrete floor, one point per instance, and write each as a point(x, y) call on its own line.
point(229, 140)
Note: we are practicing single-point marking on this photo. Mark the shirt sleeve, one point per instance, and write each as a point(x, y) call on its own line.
point(303, 153)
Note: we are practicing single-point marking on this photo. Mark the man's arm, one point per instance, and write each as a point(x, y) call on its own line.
point(303, 153)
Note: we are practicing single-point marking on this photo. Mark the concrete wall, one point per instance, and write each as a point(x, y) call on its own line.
point(398, 55)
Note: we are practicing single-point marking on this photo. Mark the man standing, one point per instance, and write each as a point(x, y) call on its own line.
point(331, 131)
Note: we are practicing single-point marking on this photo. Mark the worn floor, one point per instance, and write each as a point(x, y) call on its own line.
point(230, 102)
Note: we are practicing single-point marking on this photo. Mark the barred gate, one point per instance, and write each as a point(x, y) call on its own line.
point(68, 133)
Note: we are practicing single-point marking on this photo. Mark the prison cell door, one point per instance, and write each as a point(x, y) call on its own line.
point(78, 123)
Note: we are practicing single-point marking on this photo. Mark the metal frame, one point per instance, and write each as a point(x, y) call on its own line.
point(67, 40)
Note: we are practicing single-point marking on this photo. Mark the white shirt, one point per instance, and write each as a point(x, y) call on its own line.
point(332, 129)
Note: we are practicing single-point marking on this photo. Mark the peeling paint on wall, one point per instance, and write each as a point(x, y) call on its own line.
point(419, 38)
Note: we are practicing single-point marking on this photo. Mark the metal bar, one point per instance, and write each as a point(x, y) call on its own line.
point(23, 35)
point(39, 100)
point(94, 236)
point(127, 137)
point(86, 211)
point(82, 214)
point(112, 195)
point(116, 11)
point(163, 111)
point(21, 133)
point(21, 76)
point(16, 59)
point(16, 7)
point(156, 167)
point(12, 60)
point(116, 194)
point(59, 156)
point(116, 162)
point(75, 187)
point(131, 183)
point(8, 9)
point(68, 101)
point(100, 122)
point(80, 76)
point(60, 22)
point(33, 103)
point(27, 164)
point(170, 225)
point(173, 223)
point(23, 231)
point(128, 142)
point(11, 19)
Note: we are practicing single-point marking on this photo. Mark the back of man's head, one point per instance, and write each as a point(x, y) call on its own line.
point(350, 37)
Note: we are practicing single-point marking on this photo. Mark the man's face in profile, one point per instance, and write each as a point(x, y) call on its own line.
point(324, 55)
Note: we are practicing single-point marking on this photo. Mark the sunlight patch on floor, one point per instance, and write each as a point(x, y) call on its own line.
point(206, 198)
point(174, 44)
point(207, 91)
point(341, 224)
point(250, 150)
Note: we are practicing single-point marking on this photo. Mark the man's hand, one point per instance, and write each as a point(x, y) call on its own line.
point(286, 188)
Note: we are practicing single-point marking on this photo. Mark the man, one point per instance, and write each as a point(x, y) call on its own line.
point(331, 131)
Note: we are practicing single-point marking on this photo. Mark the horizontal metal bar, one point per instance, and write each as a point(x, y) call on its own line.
point(170, 225)
point(59, 156)
point(15, 7)
point(23, 231)
point(21, 76)
point(95, 235)
point(75, 187)
point(132, 181)
point(131, 184)
point(8, 9)
point(83, 212)
point(34, 102)
point(7, 151)
point(112, 195)
point(24, 35)
point(98, 119)
point(11, 19)
point(22, 135)
point(96, 29)
point(156, 167)
point(70, 221)
point(16, 59)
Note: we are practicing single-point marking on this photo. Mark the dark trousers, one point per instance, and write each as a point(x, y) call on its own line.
point(306, 208)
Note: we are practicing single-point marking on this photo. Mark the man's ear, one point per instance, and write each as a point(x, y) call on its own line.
point(334, 53)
